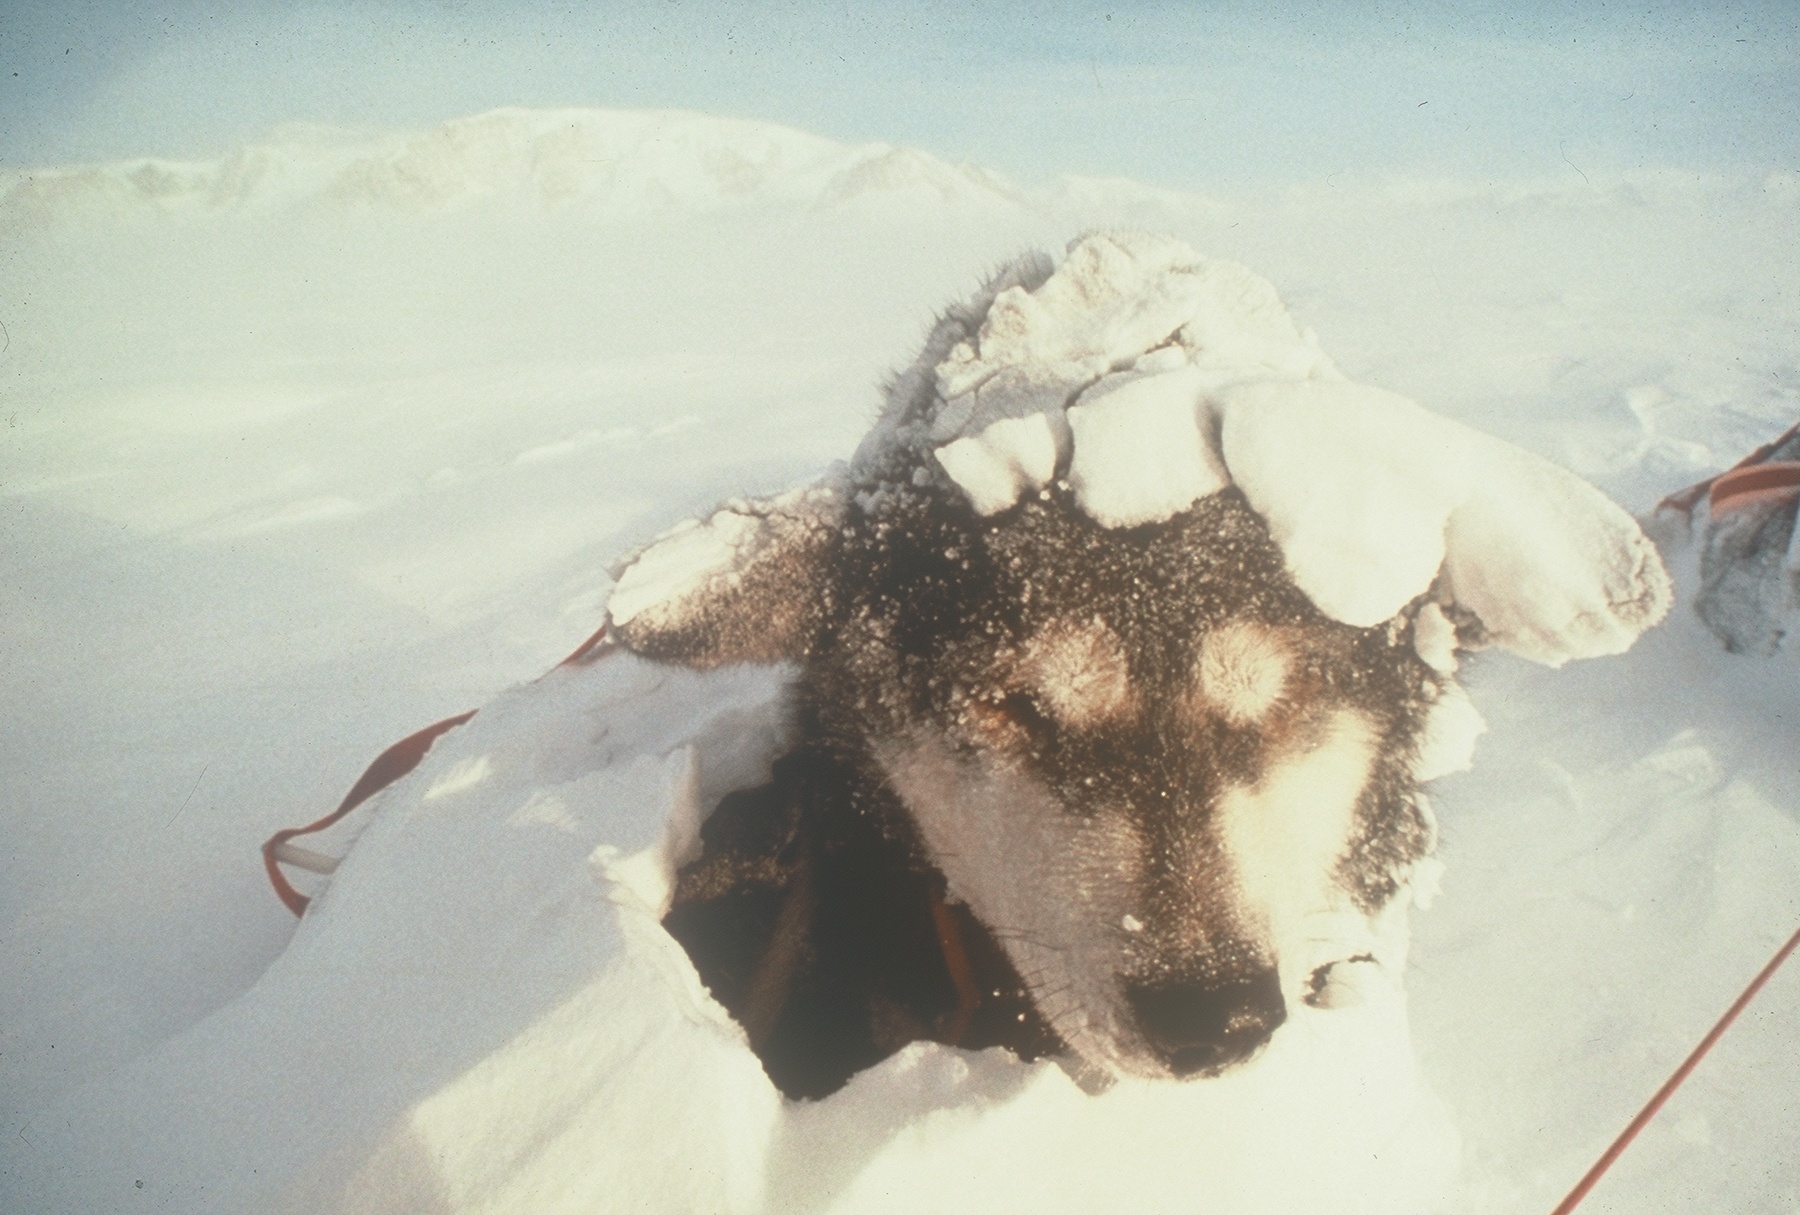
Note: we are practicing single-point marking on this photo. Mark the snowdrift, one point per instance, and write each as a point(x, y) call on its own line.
point(482, 1013)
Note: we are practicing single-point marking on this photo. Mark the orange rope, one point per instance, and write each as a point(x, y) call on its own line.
point(388, 767)
point(1775, 481)
point(1594, 1174)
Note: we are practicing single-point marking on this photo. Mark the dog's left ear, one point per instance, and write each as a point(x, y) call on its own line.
point(746, 584)
point(1376, 502)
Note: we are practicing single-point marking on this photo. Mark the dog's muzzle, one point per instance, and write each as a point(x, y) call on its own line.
point(1200, 1029)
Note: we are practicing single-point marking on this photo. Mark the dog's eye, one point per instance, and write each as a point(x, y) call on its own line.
point(1025, 710)
point(1014, 717)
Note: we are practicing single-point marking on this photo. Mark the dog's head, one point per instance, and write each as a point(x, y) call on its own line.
point(1152, 700)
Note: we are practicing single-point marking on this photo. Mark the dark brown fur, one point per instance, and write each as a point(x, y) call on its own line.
point(810, 913)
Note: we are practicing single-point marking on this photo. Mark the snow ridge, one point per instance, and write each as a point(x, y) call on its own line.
point(595, 162)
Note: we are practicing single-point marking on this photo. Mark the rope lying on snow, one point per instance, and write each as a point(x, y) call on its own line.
point(388, 767)
point(1655, 1103)
point(393, 763)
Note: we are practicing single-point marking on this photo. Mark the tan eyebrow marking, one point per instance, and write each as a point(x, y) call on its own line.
point(1242, 672)
point(1080, 672)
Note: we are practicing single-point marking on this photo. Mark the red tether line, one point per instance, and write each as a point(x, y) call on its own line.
point(1674, 1082)
point(962, 976)
point(390, 766)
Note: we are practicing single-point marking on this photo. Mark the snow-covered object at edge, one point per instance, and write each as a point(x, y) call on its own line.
point(1750, 566)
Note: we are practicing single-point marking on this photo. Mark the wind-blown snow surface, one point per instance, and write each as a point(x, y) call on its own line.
point(282, 481)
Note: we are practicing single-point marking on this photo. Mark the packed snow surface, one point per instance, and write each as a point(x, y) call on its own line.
point(283, 480)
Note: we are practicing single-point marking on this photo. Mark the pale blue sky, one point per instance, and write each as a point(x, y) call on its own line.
point(1195, 95)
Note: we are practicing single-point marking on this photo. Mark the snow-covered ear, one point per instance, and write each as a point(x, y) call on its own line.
point(746, 584)
point(1376, 501)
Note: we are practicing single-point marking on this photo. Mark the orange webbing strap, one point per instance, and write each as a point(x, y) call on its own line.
point(1674, 1082)
point(593, 649)
point(1687, 499)
point(388, 767)
point(1772, 482)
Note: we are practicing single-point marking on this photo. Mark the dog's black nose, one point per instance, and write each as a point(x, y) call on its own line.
point(1204, 1028)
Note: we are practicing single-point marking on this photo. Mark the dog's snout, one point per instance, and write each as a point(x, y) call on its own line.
point(1204, 1028)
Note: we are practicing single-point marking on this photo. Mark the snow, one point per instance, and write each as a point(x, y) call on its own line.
point(486, 956)
point(1011, 457)
point(1369, 496)
point(1139, 448)
point(282, 480)
point(1434, 638)
point(1448, 744)
point(1118, 344)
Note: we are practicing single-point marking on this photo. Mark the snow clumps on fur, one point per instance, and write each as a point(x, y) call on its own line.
point(1142, 377)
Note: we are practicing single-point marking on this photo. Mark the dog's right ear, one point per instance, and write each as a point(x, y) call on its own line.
point(746, 584)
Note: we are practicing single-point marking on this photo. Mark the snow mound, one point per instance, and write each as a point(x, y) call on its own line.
point(907, 176)
point(482, 1013)
point(599, 163)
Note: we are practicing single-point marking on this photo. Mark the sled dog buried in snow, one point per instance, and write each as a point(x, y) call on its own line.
point(1121, 651)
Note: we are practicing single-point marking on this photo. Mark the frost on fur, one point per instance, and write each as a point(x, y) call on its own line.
point(736, 587)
